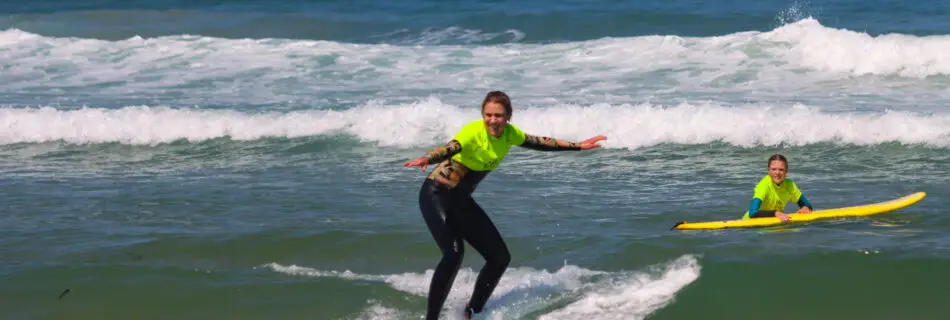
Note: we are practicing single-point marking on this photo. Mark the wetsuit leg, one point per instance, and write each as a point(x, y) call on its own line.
point(482, 235)
point(438, 212)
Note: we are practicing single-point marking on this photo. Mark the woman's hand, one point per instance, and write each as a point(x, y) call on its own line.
point(592, 142)
point(782, 216)
point(419, 162)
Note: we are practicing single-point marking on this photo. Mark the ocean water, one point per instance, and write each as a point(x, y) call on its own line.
point(243, 160)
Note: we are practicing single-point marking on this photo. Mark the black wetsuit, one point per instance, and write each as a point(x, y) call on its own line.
point(453, 216)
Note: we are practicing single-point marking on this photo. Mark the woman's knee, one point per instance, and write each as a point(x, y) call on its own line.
point(500, 258)
point(454, 252)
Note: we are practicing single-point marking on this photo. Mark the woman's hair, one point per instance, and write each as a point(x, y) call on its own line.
point(499, 98)
point(777, 157)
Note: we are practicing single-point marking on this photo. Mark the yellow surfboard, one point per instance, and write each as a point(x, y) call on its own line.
point(863, 210)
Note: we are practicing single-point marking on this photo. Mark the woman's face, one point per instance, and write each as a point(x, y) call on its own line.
point(495, 118)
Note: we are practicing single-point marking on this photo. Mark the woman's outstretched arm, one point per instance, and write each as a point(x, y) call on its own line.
point(551, 144)
point(436, 155)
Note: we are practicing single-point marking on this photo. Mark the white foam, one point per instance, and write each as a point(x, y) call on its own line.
point(523, 291)
point(809, 44)
point(633, 297)
point(519, 290)
point(784, 62)
point(430, 121)
point(377, 311)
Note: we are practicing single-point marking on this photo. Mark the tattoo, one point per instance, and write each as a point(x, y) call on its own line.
point(548, 144)
point(444, 152)
point(449, 173)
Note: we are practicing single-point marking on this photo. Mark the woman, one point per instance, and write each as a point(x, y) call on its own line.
point(774, 191)
point(446, 197)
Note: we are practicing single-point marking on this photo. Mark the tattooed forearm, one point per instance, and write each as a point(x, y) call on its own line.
point(548, 144)
point(444, 152)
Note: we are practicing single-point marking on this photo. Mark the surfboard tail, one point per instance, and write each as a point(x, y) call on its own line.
point(677, 225)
